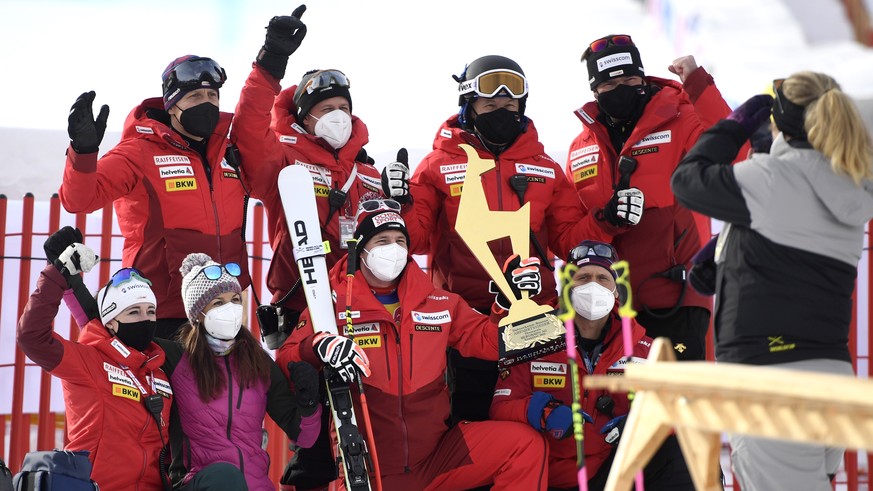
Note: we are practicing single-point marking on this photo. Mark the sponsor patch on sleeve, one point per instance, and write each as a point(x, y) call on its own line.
point(145, 130)
point(289, 139)
point(187, 184)
point(370, 182)
point(445, 133)
point(502, 392)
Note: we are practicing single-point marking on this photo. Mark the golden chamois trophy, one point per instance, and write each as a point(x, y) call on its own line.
point(529, 330)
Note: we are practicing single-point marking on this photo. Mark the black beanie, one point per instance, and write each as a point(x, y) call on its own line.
point(305, 98)
point(613, 61)
point(371, 223)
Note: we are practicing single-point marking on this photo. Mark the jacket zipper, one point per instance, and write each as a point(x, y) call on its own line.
point(230, 413)
point(403, 428)
point(410, 355)
point(217, 222)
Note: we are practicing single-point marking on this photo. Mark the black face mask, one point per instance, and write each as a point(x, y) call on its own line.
point(200, 120)
point(624, 102)
point(137, 335)
point(499, 127)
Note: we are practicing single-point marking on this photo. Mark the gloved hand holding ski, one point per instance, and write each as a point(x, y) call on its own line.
point(85, 132)
point(395, 178)
point(546, 412)
point(342, 354)
point(625, 208)
point(522, 275)
point(284, 35)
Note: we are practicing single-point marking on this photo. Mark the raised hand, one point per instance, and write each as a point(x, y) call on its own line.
point(752, 113)
point(395, 178)
point(284, 35)
point(85, 132)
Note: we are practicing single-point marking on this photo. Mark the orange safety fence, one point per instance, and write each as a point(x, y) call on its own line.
point(23, 233)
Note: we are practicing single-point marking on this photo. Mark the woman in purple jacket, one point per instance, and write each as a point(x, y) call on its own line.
point(224, 384)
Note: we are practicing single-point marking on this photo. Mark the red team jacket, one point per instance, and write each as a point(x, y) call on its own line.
point(668, 234)
point(550, 374)
point(406, 392)
point(165, 205)
point(103, 382)
point(557, 218)
point(268, 147)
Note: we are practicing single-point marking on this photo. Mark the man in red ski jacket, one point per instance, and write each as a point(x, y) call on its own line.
point(173, 190)
point(492, 120)
point(539, 393)
point(312, 125)
point(634, 134)
point(403, 326)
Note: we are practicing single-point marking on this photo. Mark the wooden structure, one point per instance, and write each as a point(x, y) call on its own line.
point(700, 400)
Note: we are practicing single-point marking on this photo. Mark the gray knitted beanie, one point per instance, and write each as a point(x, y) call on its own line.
point(197, 289)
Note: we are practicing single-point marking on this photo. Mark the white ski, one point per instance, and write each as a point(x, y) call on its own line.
point(297, 192)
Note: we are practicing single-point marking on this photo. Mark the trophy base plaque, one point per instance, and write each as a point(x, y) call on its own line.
point(528, 339)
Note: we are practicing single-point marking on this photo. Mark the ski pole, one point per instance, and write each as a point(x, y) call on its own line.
point(578, 431)
point(350, 331)
point(626, 312)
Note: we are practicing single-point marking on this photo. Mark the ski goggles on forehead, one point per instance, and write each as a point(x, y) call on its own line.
point(213, 272)
point(325, 79)
point(582, 251)
point(379, 204)
point(492, 82)
point(193, 73)
point(605, 42)
point(126, 274)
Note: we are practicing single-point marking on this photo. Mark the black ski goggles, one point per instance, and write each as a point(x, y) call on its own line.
point(605, 42)
point(493, 82)
point(596, 249)
point(196, 72)
point(214, 271)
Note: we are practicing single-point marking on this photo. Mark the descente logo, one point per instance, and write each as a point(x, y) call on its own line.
point(431, 317)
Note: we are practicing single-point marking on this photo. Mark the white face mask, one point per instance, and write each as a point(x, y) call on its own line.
point(224, 321)
point(334, 127)
point(592, 300)
point(386, 262)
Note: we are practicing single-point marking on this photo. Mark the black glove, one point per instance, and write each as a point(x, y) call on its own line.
point(304, 378)
point(522, 275)
point(752, 113)
point(59, 241)
point(85, 132)
point(625, 208)
point(395, 178)
point(613, 429)
point(284, 35)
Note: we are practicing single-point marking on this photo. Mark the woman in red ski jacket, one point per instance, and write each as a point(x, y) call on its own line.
point(109, 373)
